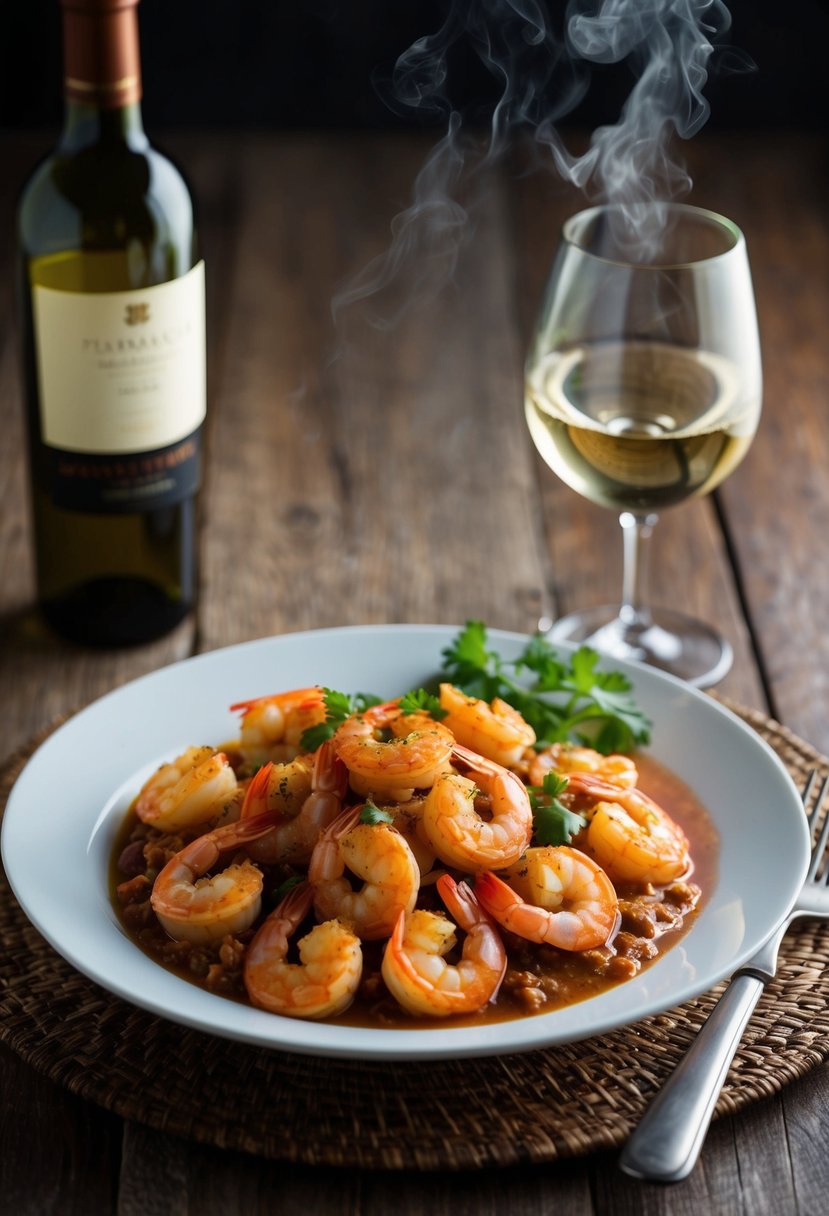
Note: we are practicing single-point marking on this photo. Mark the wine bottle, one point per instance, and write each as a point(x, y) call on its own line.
point(111, 293)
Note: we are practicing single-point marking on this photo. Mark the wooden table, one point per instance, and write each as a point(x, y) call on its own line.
point(371, 475)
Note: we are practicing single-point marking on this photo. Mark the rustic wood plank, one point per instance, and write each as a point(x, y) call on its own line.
point(59, 1154)
point(714, 1186)
point(330, 545)
point(386, 514)
point(777, 502)
point(767, 1160)
point(41, 678)
point(806, 1111)
point(763, 1158)
point(163, 1174)
point(534, 1191)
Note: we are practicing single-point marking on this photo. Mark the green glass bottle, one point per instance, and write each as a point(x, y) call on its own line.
point(111, 291)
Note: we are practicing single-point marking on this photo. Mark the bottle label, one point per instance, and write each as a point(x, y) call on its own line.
point(122, 375)
point(121, 484)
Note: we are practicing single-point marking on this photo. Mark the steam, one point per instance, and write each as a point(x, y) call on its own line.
point(540, 72)
point(632, 164)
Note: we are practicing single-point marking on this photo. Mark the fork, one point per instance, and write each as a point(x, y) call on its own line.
point(667, 1142)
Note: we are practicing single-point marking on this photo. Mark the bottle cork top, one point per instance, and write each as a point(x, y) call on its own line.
point(102, 64)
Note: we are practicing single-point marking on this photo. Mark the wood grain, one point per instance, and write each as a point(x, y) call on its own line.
point(386, 475)
point(360, 473)
point(777, 503)
point(59, 1154)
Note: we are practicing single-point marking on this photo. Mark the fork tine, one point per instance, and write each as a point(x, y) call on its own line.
point(814, 814)
point(820, 848)
point(818, 856)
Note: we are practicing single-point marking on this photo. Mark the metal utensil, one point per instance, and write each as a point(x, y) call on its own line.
point(666, 1144)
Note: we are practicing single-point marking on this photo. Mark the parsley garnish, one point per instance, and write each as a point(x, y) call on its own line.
point(288, 885)
point(338, 707)
point(372, 815)
point(419, 701)
point(552, 822)
point(566, 698)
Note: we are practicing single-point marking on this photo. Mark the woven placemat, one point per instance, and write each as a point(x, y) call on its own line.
point(561, 1102)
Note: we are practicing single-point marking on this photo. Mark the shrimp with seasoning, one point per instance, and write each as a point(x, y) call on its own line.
point(495, 730)
point(199, 909)
point(554, 895)
point(289, 784)
point(566, 758)
point(456, 831)
point(325, 980)
point(415, 968)
point(407, 818)
point(379, 855)
point(629, 834)
point(392, 769)
point(272, 726)
point(292, 840)
point(188, 792)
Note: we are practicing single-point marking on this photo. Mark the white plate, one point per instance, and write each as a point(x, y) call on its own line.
point(67, 805)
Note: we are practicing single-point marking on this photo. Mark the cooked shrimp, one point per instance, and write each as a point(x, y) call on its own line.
point(292, 840)
point(496, 731)
point(407, 818)
point(187, 792)
point(381, 857)
point(555, 895)
point(415, 968)
point(289, 784)
point(325, 980)
point(198, 909)
point(458, 834)
point(272, 727)
point(566, 758)
point(393, 769)
point(629, 834)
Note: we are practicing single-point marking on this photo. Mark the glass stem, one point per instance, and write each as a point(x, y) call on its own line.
point(636, 532)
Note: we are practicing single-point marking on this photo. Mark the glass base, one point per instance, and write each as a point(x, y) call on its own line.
point(669, 640)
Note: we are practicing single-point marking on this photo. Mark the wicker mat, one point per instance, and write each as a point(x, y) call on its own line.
point(540, 1106)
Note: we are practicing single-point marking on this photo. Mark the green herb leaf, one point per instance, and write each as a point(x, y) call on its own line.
point(553, 824)
point(372, 815)
point(564, 698)
point(338, 707)
point(469, 664)
point(539, 657)
point(552, 785)
point(282, 890)
point(419, 701)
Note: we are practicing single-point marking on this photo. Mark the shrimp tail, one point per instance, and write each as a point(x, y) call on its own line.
point(461, 902)
point(503, 903)
point(256, 795)
point(300, 697)
point(471, 759)
point(471, 915)
point(295, 906)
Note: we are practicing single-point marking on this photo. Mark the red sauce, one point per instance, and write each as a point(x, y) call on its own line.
point(539, 978)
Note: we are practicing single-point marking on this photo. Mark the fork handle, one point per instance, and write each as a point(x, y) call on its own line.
point(667, 1142)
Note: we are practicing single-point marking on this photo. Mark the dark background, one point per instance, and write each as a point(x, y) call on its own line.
point(310, 63)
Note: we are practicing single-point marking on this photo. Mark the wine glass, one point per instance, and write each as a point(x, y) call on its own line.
point(643, 389)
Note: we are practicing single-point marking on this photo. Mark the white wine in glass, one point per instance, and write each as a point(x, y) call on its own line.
point(643, 389)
